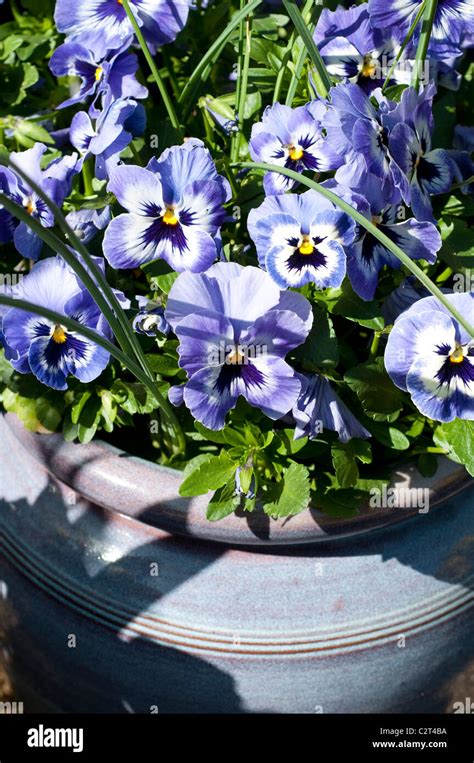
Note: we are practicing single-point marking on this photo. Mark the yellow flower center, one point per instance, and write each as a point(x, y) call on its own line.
point(29, 205)
point(169, 217)
point(368, 67)
point(98, 73)
point(235, 357)
point(296, 153)
point(306, 247)
point(458, 355)
point(59, 334)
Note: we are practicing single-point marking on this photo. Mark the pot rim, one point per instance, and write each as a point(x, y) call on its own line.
point(118, 482)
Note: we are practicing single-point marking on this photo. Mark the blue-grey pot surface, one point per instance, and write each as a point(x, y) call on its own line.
point(105, 611)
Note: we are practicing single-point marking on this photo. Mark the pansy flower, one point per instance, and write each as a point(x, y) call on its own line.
point(86, 223)
point(55, 181)
point(103, 25)
point(319, 406)
point(291, 138)
point(431, 356)
point(356, 133)
point(452, 20)
point(355, 50)
point(150, 319)
point(300, 239)
point(106, 138)
point(366, 255)
point(112, 78)
point(175, 209)
point(428, 171)
point(235, 328)
point(47, 349)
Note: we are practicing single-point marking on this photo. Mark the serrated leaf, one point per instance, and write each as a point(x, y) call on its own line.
point(294, 493)
point(457, 438)
point(211, 474)
point(374, 388)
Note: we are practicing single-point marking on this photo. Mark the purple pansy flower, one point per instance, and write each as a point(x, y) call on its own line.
point(49, 350)
point(353, 49)
point(103, 25)
point(318, 405)
point(235, 328)
point(291, 138)
point(107, 139)
point(431, 356)
point(150, 320)
point(428, 171)
point(176, 207)
point(300, 239)
point(366, 256)
point(55, 181)
point(113, 78)
point(356, 133)
point(452, 20)
point(86, 223)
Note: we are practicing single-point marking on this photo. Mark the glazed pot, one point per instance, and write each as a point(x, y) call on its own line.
point(119, 596)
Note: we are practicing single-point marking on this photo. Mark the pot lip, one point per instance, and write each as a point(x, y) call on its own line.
point(123, 484)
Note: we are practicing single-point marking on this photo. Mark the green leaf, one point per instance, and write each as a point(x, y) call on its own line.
point(388, 436)
point(294, 493)
point(210, 474)
point(49, 410)
point(457, 438)
point(345, 302)
point(321, 349)
point(223, 502)
point(347, 472)
point(29, 133)
point(377, 393)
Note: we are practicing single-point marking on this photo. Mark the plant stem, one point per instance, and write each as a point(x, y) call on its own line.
point(425, 34)
point(371, 228)
point(375, 344)
point(153, 68)
point(307, 37)
point(136, 154)
point(87, 176)
point(407, 39)
point(244, 64)
point(202, 70)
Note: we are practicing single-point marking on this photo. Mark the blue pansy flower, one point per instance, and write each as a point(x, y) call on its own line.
point(318, 407)
point(291, 138)
point(300, 239)
point(111, 78)
point(150, 319)
point(355, 50)
point(452, 21)
point(428, 171)
point(366, 255)
point(49, 350)
point(103, 25)
point(55, 181)
point(86, 223)
point(355, 133)
point(107, 138)
point(235, 328)
point(431, 356)
point(175, 209)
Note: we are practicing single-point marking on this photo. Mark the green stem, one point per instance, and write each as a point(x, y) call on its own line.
point(422, 451)
point(425, 34)
point(202, 70)
point(307, 37)
point(375, 344)
point(296, 76)
point(407, 39)
point(153, 68)
point(243, 79)
point(371, 228)
point(87, 176)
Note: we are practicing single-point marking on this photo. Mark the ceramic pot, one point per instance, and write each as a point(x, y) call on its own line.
point(117, 595)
